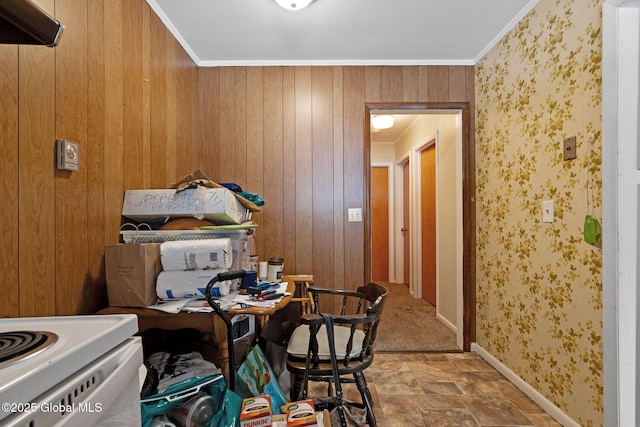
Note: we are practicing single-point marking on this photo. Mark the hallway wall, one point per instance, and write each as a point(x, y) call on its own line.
point(539, 301)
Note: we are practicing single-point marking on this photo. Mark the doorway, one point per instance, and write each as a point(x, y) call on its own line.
point(464, 297)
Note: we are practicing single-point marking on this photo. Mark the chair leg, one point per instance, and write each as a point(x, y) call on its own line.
point(361, 383)
point(298, 389)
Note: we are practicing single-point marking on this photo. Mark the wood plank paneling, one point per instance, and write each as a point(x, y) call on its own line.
point(338, 178)
point(132, 45)
point(36, 184)
point(322, 173)
point(289, 164)
point(159, 103)
point(172, 156)
point(274, 183)
point(410, 84)
point(96, 211)
point(9, 184)
point(303, 167)
point(391, 83)
point(114, 130)
point(438, 84)
point(423, 84)
point(240, 177)
point(208, 113)
point(118, 90)
point(354, 99)
point(71, 187)
point(256, 167)
point(227, 126)
point(373, 83)
point(457, 84)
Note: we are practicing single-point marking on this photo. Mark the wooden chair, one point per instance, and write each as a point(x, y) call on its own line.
point(337, 348)
point(302, 295)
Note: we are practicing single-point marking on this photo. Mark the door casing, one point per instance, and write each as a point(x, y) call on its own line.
point(468, 201)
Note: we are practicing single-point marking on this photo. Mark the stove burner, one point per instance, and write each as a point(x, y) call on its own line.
point(18, 345)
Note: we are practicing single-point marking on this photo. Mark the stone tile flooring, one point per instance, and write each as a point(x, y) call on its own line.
point(443, 389)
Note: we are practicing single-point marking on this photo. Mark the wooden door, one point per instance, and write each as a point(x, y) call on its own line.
point(406, 262)
point(379, 224)
point(428, 213)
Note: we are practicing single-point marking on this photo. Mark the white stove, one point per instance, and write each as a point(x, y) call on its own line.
point(82, 370)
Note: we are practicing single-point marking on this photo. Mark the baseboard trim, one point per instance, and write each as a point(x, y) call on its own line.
point(533, 394)
point(446, 323)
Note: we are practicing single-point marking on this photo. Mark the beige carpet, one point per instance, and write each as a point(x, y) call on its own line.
point(409, 325)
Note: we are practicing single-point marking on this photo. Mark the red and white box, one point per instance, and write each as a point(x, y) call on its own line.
point(256, 412)
point(301, 414)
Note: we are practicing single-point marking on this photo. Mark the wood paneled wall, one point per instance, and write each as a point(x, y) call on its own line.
point(119, 85)
point(295, 135)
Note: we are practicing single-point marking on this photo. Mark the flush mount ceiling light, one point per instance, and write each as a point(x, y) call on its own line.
point(382, 122)
point(294, 4)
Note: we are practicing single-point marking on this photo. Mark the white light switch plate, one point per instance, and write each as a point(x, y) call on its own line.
point(355, 214)
point(547, 211)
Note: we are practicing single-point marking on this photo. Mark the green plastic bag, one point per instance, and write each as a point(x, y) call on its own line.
point(228, 403)
point(255, 377)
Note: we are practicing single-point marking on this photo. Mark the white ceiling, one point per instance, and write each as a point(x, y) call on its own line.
point(340, 32)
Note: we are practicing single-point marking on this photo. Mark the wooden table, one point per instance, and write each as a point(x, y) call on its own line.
point(205, 322)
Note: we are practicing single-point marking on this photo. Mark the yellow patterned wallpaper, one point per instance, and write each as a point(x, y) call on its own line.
point(539, 285)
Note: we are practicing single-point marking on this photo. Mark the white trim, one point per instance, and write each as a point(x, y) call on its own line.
point(330, 62)
point(449, 325)
point(399, 258)
point(460, 234)
point(620, 78)
point(391, 221)
point(415, 219)
point(533, 394)
point(505, 30)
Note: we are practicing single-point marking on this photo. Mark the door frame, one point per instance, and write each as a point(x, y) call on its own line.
point(468, 202)
point(620, 198)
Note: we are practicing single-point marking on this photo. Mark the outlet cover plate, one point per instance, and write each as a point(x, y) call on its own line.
point(569, 148)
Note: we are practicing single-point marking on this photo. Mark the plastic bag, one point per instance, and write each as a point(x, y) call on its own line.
point(256, 378)
point(227, 403)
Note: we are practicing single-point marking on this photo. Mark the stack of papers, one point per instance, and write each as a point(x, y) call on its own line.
point(194, 305)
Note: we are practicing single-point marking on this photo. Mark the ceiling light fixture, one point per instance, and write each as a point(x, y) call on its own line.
point(382, 122)
point(294, 4)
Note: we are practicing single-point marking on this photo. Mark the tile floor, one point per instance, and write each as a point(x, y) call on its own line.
point(444, 389)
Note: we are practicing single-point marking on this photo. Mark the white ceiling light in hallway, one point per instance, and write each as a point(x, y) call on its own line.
point(382, 122)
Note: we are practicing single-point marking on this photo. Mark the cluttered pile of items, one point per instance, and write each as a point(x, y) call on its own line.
point(181, 252)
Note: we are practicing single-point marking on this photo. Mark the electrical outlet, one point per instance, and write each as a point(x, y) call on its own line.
point(547, 211)
point(569, 148)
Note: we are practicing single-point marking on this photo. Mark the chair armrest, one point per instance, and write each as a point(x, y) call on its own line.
point(317, 319)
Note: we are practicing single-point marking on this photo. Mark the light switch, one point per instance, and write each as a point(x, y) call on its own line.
point(547, 211)
point(355, 214)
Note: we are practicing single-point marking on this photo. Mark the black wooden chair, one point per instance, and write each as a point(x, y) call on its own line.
point(337, 348)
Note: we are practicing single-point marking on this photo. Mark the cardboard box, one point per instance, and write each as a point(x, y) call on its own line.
point(244, 325)
point(301, 414)
point(217, 205)
point(132, 270)
point(256, 411)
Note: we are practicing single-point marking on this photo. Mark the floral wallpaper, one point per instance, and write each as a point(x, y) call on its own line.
point(539, 285)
